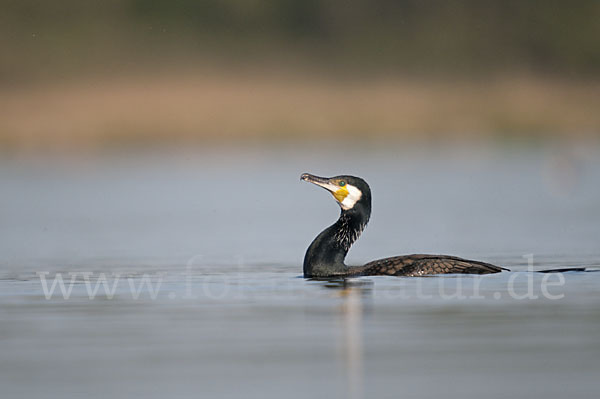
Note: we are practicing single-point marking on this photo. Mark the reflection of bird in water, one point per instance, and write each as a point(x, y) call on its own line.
point(325, 256)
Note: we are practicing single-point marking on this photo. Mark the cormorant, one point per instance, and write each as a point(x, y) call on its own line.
point(325, 256)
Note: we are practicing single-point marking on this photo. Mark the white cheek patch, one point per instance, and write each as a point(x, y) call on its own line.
point(354, 195)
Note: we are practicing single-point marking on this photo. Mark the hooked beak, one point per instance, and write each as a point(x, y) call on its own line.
point(319, 181)
point(340, 193)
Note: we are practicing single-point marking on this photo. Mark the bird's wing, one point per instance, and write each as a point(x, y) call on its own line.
point(423, 265)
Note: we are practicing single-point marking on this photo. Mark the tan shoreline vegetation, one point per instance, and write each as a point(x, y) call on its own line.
point(217, 106)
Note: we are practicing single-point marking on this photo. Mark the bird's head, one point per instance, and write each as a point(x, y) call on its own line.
point(348, 191)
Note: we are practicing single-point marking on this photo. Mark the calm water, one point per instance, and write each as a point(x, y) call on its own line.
point(201, 254)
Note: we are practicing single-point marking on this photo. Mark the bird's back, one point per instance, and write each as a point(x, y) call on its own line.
point(422, 265)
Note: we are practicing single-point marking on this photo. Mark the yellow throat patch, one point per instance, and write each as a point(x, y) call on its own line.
point(341, 194)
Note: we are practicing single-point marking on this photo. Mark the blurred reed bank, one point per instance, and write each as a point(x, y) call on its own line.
point(94, 75)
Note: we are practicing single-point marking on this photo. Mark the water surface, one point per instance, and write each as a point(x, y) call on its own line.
point(220, 234)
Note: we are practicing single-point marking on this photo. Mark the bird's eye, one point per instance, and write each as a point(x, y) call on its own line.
point(342, 183)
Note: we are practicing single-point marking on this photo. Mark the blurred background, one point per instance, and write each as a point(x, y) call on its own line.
point(139, 137)
point(122, 120)
point(79, 75)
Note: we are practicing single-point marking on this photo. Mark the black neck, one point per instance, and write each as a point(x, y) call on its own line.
point(325, 256)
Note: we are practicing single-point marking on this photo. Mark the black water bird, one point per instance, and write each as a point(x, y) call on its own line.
point(325, 255)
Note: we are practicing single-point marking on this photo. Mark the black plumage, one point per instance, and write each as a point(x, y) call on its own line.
point(325, 256)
